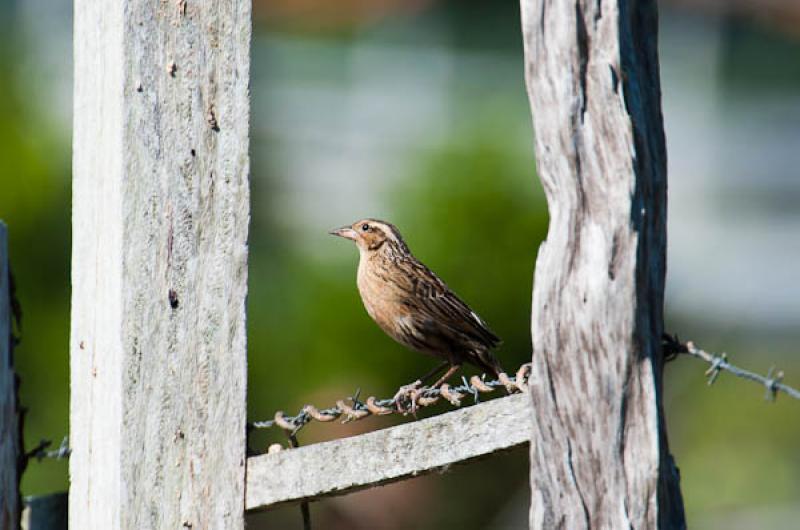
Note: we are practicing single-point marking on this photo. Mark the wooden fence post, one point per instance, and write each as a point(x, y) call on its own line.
point(159, 264)
point(45, 512)
point(10, 450)
point(599, 453)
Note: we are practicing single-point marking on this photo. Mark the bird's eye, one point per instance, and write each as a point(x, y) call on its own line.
point(365, 227)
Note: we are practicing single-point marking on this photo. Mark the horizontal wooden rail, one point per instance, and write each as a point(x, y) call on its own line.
point(387, 455)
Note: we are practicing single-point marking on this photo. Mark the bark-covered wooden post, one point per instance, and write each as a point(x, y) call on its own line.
point(599, 453)
point(159, 264)
point(10, 450)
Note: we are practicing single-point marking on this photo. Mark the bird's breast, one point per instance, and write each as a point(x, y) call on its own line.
point(382, 298)
point(375, 289)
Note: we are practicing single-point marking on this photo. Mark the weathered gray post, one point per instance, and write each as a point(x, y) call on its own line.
point(599, 453)
point(45, 512)
point(159, 264)
point(10, 449)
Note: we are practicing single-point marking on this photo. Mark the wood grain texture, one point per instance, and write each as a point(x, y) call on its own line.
point(387, 455)
point(9, 411)
point(160, 219)
point(599, 454)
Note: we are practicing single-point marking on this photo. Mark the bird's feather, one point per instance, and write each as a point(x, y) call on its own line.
point(413, 305)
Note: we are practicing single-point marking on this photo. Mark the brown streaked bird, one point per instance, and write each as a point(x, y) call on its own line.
point(414, 307)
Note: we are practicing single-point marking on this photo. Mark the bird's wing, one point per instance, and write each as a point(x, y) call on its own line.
point(442, 307)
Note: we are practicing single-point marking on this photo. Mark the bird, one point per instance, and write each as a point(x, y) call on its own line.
point(412, 305)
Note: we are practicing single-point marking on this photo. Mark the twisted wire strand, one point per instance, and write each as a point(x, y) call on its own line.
point(423, 397)
point(772, 382)
point(41, 450)
point(426, 396)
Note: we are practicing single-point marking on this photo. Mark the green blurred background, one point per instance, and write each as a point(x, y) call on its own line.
point(415, 111)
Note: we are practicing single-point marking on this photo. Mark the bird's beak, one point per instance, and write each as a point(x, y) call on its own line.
point(345, 232)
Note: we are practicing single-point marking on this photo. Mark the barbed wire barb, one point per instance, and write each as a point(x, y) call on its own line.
point(40, 451)
point(772, 382)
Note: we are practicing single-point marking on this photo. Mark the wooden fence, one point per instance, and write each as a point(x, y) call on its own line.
point(159, 278)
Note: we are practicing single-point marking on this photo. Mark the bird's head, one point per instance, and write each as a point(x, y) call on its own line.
point(372, 235)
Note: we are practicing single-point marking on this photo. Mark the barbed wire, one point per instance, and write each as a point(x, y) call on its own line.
point(772, 382)
point(406, 401)
point(41, 452)
point(413, 399)
point(425, 396)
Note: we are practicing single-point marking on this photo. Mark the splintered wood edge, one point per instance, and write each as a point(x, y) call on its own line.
point(388, 455)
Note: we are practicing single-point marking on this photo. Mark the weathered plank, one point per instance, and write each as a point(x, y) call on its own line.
point(9, 412)
point(599, 454)
point(387, 455)
point(160, 219)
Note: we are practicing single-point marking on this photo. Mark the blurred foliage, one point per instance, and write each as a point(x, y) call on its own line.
point(476, 214)
point(746, 45)
point(472, 213)
point(734, 448)
point(34, 203)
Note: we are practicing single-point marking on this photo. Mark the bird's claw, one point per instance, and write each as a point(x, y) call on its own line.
point(408, 394)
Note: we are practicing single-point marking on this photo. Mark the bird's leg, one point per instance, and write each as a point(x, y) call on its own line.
point(433, 372)
point(453, 369)
point(405, 393)
point(411, 393)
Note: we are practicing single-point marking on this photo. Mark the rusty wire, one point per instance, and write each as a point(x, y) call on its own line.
point(426, 396)
point(41, 451)
point(772, 382)
point(353, 408)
